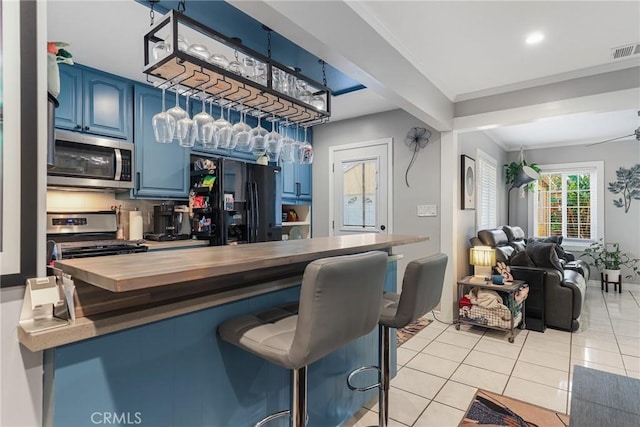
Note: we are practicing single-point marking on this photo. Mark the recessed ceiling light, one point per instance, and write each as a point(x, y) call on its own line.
point(534, 38)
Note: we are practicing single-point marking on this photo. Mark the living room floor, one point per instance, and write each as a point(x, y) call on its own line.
point(440, 369)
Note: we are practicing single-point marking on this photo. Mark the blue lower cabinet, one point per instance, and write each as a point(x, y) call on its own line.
point(162, 170)
point(178, 372)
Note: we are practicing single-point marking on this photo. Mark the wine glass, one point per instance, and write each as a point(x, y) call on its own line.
point(236, 66)
point(199, 51)
point(164, 125)
point(249, 68)
point(219, 59)
point(318, 102)
point(225, 131)
point(176, 112)
point(210, 131)
point(302, 92)
point(258, 140)
point(242, 135)
point(306, 151)
point(261, 73)
point(184, 130)
point(199, 121)
point(296, 146)
point(286, 151)
point(273, 142)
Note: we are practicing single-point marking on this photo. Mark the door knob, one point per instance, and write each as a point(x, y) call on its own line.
point(382, 227)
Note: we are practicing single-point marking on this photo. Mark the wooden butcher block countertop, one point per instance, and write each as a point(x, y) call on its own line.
point(131, 272)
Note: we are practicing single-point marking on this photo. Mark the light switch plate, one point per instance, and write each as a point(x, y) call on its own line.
point(427, 210)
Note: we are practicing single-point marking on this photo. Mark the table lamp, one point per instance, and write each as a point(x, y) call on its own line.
point(483, 258)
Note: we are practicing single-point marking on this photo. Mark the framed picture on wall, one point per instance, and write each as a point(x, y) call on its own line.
point(468, 187)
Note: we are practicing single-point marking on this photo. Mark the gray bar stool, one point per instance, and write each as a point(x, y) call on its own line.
point(421, 290)
point(340, 300)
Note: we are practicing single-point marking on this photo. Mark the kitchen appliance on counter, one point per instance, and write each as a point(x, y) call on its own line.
point(86, 161)
point(242, 205)
point(168, 223)
point(87, 234)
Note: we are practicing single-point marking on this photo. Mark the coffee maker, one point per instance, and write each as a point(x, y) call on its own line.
point(164, 223)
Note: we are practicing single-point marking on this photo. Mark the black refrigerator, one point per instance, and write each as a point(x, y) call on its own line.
point(251, 202)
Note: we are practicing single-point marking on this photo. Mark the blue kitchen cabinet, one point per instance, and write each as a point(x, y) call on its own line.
point(296, 177)
point(69, 112)
point(296, 183)
point(94, 102)
point(162, 170)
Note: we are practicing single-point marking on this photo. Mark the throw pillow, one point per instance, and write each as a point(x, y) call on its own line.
point(544, 255)
point(557, 240)
point(521, 259)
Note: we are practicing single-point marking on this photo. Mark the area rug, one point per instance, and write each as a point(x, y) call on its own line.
point(410, 330)
point(490, 409)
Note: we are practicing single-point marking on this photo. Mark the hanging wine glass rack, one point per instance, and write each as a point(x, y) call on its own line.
point(181, 68)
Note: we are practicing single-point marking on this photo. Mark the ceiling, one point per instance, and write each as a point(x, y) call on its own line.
point(464, 49)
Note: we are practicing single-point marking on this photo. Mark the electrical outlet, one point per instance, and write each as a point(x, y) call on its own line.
point(427, 210)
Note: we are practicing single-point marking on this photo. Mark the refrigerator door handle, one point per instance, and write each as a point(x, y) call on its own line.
point(250, 209)
point(257, 204)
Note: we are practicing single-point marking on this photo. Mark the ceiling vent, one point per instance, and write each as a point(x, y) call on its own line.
point(625, 51)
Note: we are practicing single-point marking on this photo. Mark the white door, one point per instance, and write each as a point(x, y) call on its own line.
point(360, 188)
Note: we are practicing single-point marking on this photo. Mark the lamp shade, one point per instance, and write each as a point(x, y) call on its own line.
point(482, 256)
point(527, 174)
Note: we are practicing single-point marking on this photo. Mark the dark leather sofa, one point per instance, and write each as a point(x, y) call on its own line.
point(543, 264)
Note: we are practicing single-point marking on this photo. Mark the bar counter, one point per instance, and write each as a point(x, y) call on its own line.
point(159, 360)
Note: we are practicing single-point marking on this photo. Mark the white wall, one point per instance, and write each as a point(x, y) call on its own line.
point(424, 176)
point(469, 144)
point(618, 226)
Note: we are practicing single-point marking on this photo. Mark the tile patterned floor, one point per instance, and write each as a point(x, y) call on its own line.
point(440, 369)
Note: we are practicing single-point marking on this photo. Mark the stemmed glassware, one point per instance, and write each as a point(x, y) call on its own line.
point(296, 146)
point(242, 135)
point(306, 151)
point(286, 151)
point(211, 136)
point(184, 129)
point(225, 130)
point(177, 112)
point(203, 133)
point(273, 143)
point(164, 125)
point(258, 140)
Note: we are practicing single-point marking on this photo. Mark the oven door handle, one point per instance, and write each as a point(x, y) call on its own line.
point(118, 173)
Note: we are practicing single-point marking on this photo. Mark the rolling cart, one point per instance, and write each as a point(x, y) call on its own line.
point(489, 318)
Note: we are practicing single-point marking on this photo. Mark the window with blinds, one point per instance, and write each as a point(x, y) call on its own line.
point(487, 183)
point(565, 203)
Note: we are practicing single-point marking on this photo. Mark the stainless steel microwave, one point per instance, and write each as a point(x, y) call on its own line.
point(87, 161)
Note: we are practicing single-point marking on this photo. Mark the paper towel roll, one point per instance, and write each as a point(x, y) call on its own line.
point(135, 225)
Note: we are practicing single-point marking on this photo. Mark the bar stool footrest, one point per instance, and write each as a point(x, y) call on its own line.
point(359, 370)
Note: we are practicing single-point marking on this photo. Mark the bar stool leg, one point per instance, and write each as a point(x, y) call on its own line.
point(383, 389)
point(299, 397)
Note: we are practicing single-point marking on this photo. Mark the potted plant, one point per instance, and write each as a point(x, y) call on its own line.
point(608, 258)
point(513, 169)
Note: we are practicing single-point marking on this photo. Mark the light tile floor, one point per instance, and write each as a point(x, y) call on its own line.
point(440, 369)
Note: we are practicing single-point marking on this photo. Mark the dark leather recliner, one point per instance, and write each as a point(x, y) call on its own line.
point(564, 286)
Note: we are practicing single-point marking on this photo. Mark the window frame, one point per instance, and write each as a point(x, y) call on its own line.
point(596, 197)
point(484, 157)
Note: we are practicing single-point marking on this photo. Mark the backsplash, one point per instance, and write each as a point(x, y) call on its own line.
point(74, 201)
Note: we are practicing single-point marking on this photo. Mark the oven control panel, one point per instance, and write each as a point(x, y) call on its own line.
point(68, 221)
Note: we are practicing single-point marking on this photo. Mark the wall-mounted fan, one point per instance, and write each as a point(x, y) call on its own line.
point(635, 133)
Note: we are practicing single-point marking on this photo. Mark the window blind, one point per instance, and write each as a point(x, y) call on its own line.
point(487, 192)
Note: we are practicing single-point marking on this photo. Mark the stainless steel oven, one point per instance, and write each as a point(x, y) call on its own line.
point(87, 161)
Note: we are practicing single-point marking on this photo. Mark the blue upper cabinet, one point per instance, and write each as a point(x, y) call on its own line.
point(107, 105)
point(94, 102)
point(296, 183)
point(296, 177)
point(162, 170)
point(69, 112)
